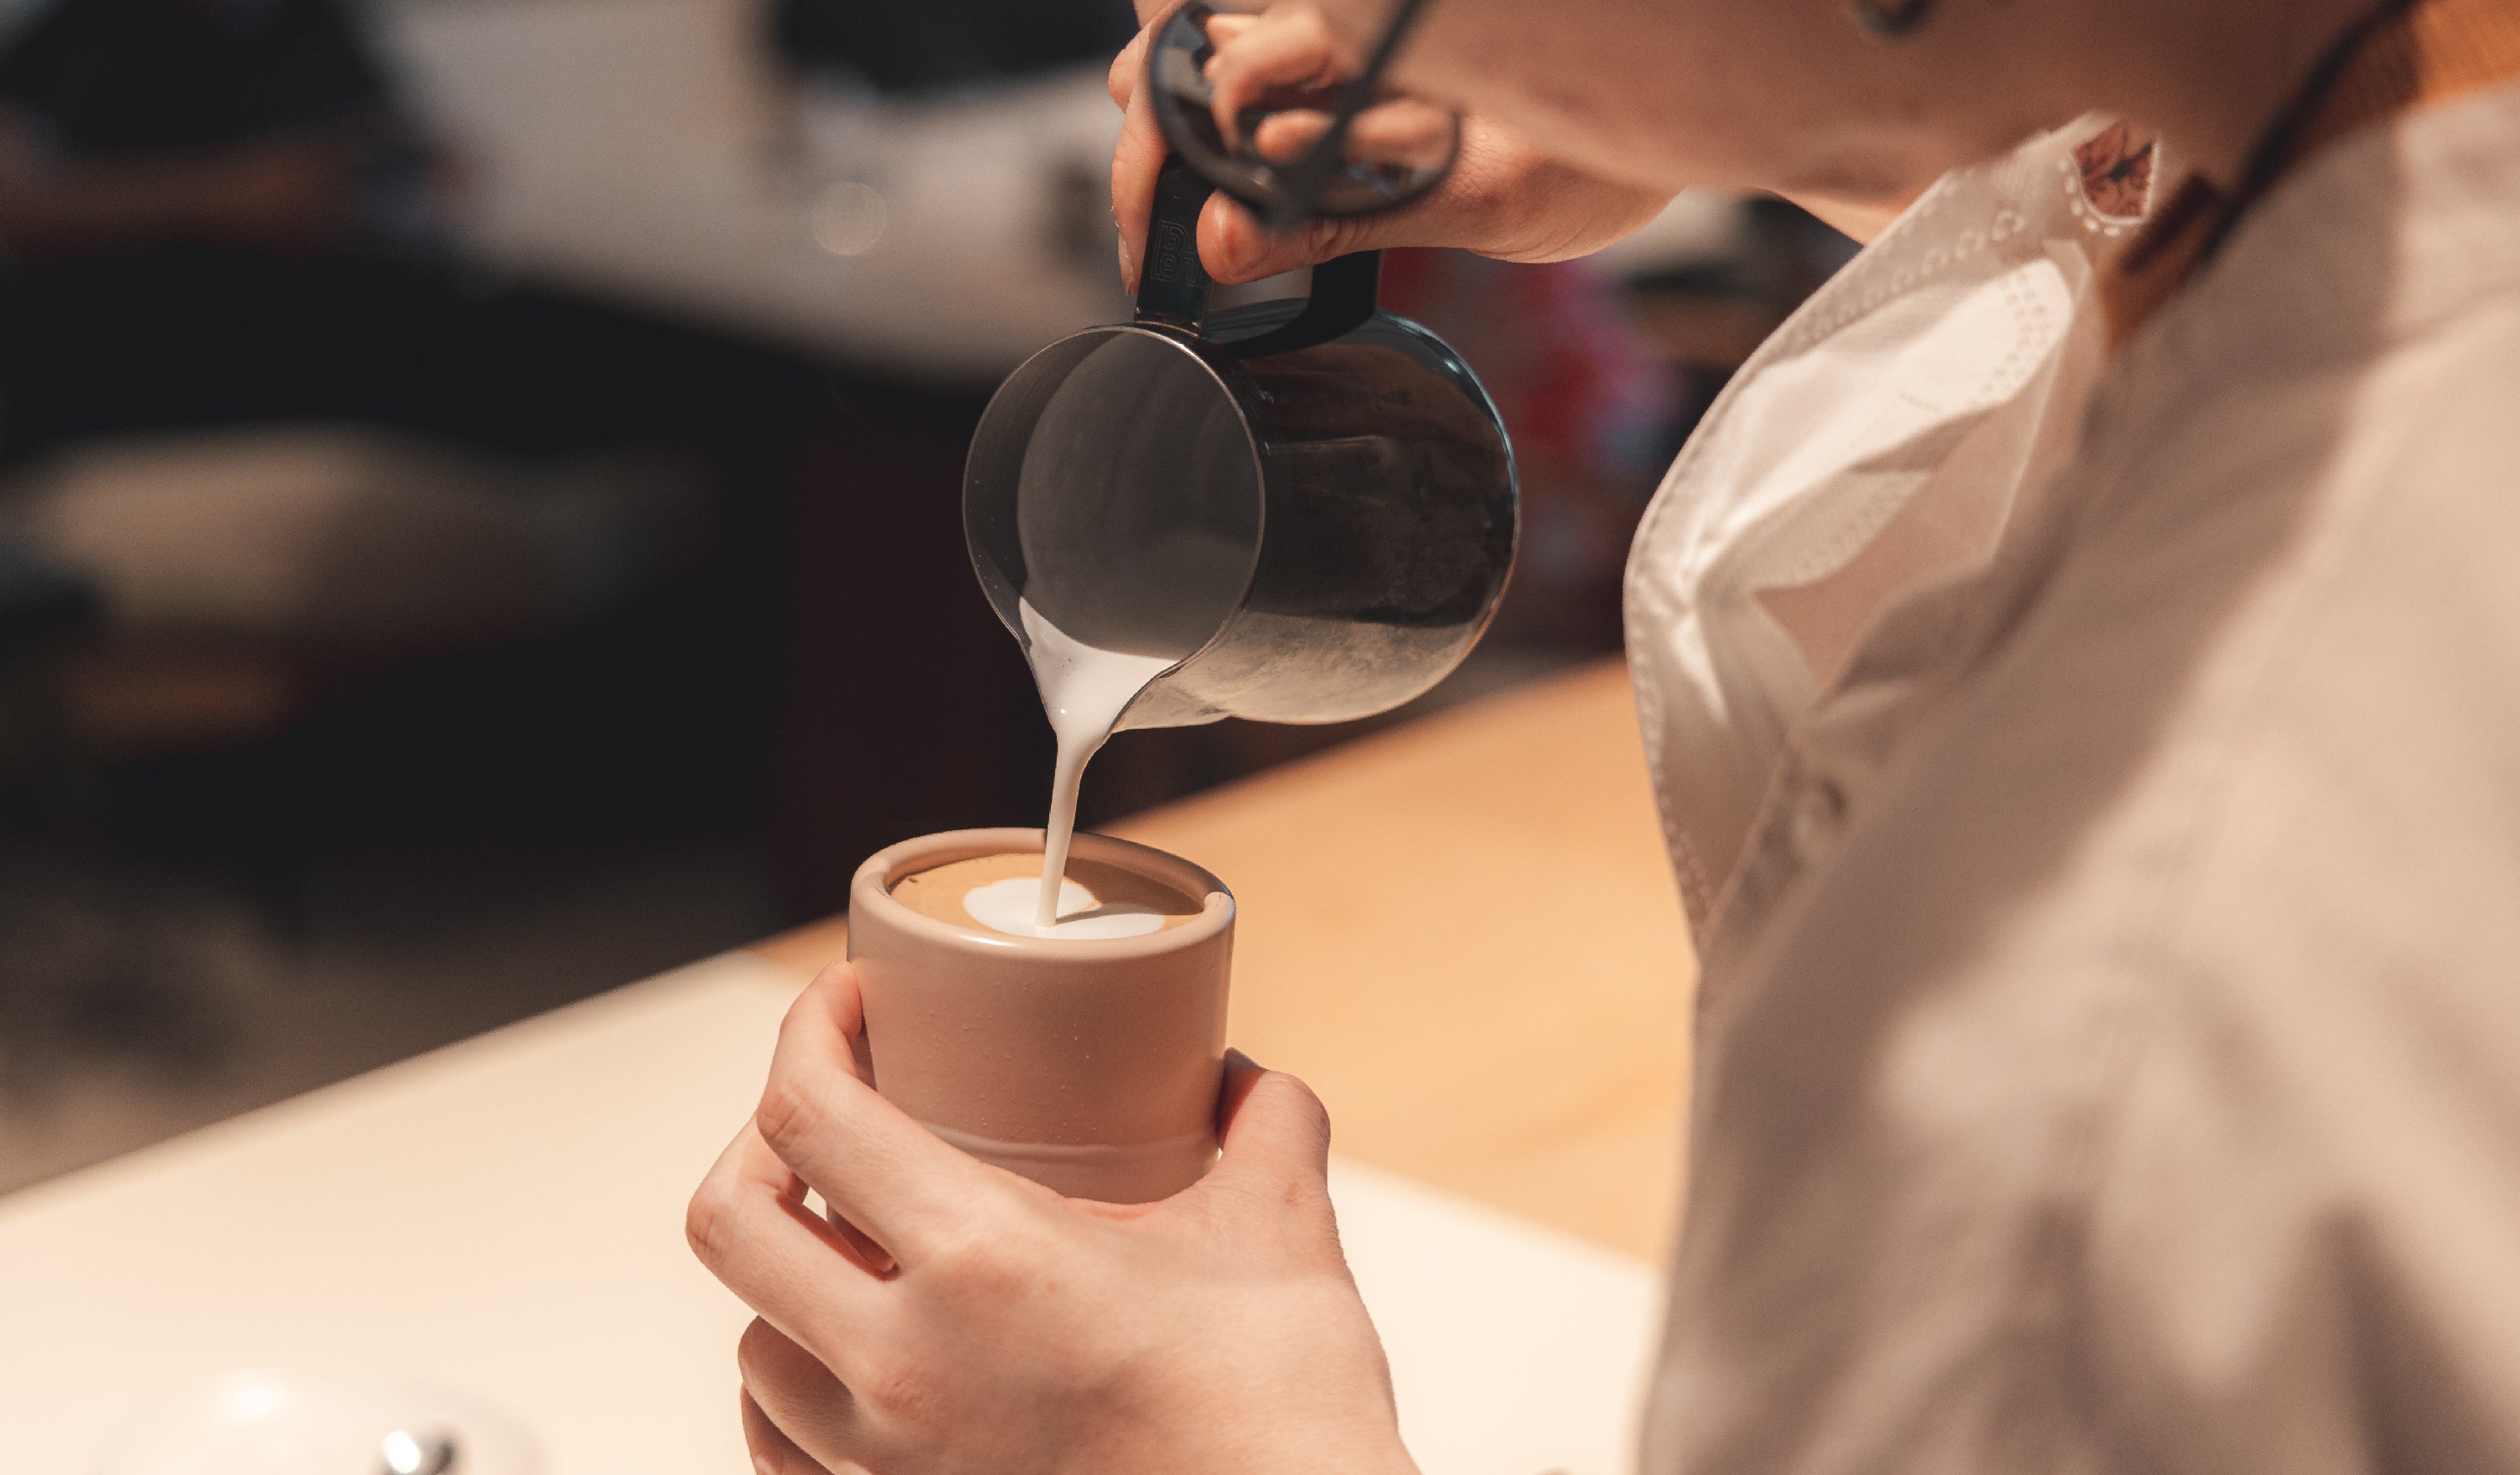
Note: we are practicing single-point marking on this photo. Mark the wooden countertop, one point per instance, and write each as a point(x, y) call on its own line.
point(1465, 934)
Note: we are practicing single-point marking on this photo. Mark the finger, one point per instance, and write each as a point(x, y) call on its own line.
point(1275, 1131)
point(1235, 247)
point(873, 1258)
point(1405, 132)
point(1140, 152)
point(1285, 136)
point(749, 1226)
point(1136, 159)
point(1225, 27)
point(1126, 67)
point(797, 1401)
point(1402, 132)
point(1282, 49)
point(773, 1452)
point(1500, 200)
point(876, 1167)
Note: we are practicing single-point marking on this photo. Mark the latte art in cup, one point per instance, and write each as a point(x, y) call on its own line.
point(999, 893)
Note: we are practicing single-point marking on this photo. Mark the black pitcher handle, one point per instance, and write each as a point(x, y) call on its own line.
point(1172, 284)
point(1345, 291)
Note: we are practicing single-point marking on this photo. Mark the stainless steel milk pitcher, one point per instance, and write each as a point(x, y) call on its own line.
point(1308, 505)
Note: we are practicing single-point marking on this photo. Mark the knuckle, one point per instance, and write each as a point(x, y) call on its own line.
point(788, 1113)
point(1122, 78)
point(758, 1354)
point(976, 1265)
point(986, 1272)
point(797, 1021)
point(769, 1457)
point(748, 1353)
point(709, 1220)
point(836, 997)
point(904, 1395)
point(1332, 240)
point(1301, 1106)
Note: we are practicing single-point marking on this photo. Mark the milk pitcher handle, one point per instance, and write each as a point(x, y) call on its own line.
point(1172, 286)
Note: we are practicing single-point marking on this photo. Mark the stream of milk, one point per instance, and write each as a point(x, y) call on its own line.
point(1085, 688)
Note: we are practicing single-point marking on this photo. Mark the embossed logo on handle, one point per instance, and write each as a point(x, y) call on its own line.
point(1172, 252)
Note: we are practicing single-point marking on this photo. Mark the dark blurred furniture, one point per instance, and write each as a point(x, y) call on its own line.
point(904, 707)
point(945, 43)
point(110, 76)
point(37, 597)
point(265, 753)
point(833, 682)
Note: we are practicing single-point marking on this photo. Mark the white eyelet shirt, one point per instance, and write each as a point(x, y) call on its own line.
point(2095, 782)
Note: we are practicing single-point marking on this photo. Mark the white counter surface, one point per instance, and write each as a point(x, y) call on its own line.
point(504, 1217)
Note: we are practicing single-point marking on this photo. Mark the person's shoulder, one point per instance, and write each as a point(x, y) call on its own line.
point(2365, 720)
point(2420, 489)
point(2288, 476)
point(2453, 402)
point(2277, 670)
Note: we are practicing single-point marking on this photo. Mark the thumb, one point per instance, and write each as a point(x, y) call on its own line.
point(1275, 1131)
point(1235, 247)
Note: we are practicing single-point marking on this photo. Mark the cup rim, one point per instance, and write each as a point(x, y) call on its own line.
point(871, 891)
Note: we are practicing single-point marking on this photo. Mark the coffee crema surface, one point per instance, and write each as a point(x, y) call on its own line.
point(999, 893)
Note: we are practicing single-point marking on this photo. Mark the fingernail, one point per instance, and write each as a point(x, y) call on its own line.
point(761, 1465)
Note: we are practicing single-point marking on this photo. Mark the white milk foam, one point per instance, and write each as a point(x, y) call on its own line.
point(1008, 907)
point(1085, 688)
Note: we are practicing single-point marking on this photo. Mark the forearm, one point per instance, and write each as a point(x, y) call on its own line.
point(1657, 94)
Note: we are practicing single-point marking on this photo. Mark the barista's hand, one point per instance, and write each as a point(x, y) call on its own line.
point(985, 1324)
point(1504, 198)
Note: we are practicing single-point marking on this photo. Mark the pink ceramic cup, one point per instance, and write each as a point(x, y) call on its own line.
point(1092, 1067)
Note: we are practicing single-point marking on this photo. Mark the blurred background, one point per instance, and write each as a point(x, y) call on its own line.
point(479, 496)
